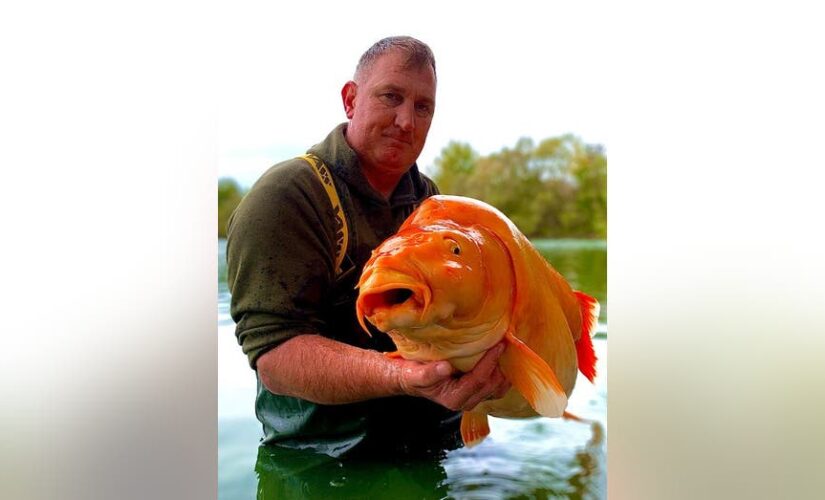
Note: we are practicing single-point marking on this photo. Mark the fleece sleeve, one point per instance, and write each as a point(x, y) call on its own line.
point(280, 258)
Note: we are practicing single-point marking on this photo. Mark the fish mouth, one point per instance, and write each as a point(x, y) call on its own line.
point(391, 300)
point(386, 299)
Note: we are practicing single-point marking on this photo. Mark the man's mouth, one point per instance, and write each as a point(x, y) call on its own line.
point(401, 140)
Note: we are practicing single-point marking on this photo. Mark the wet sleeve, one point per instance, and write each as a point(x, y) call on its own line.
point(279, 259)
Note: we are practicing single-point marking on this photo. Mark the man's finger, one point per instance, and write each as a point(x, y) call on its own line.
point(484, 368)
point(502, 390)
point(492, 355)
point(444, 369)
point(429, 374)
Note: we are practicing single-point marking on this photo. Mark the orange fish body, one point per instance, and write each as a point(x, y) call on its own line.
point(456, 279)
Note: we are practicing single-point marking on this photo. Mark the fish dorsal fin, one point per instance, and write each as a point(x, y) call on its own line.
point(589, 308)
point(533, 378)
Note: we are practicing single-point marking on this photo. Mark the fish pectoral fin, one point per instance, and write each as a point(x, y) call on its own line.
point(474, 427)
point(393, 355)
point(533, 378)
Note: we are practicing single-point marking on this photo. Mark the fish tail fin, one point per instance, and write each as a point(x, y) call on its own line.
point(533, 378)
point(474, 427)
point(584, 346)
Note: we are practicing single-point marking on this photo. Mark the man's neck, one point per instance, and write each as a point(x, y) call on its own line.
point(382, 181)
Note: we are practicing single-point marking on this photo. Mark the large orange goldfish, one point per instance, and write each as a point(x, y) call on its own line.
point(456, 279)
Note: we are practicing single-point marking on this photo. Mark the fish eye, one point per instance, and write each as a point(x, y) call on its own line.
point(454, 248)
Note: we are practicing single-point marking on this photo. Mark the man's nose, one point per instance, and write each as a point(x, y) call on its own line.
point(405, 116)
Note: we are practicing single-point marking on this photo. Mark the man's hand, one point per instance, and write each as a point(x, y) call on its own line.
point(435, 381)
point(326, 371)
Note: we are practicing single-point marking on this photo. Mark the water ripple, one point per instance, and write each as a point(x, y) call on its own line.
point(535, 459)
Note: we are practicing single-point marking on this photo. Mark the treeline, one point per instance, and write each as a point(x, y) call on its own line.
point(554, 189)
point(229, 195)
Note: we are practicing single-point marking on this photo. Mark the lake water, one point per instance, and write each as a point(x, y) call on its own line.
point(526, 458)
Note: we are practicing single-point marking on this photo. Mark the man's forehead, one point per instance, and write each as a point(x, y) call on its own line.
point(393, 75)
point(390, 85)
point(397, 61)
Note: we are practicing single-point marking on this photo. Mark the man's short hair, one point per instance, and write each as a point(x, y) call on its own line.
point(418, 53)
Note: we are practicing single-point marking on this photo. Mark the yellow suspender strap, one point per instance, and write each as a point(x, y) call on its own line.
point(341, 231)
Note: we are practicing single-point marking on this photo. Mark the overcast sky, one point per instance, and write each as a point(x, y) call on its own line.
point(527, 70)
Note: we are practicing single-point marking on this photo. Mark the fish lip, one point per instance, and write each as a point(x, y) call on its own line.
point(418, 293)
point(368, 304)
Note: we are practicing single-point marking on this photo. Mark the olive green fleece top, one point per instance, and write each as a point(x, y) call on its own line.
point(281, 241)
point(280, 256)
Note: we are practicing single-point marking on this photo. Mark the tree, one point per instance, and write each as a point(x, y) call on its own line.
point(556, 189)
point(229, 195)
point(589, 167)
point(455, 165)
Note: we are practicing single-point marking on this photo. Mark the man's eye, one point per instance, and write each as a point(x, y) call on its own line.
point(391, 98)
point(423, 109)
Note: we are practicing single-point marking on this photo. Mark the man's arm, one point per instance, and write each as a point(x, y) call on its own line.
point(325, 371)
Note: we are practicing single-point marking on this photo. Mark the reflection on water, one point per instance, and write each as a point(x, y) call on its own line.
point(286, 473)
point(582, 263)
point(540, 459)
point(526, 458)
point(531, 468)
point(534, 468)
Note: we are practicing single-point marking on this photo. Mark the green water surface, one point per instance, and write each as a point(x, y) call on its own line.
point(525, 458)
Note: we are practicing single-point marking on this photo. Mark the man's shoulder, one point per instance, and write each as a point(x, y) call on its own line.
point(288, 180)
point(429, 186)
point(286, 187)
point(431, 183)
point(288, 174)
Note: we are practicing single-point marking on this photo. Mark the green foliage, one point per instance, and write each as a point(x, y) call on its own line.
point(229, 195)
point(456, 164)
point(556, 189)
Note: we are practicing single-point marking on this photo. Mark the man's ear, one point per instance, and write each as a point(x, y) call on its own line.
point(348, 98)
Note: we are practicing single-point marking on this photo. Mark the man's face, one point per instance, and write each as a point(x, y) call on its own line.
point(390, 110)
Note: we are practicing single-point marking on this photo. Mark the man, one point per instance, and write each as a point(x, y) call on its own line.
point(322, 382)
